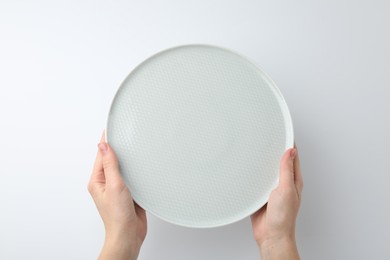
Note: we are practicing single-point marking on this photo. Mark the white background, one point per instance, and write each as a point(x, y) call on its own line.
point(61, 64)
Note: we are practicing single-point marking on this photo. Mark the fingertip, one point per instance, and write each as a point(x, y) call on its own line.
point(108, 152)
point(286, 167)
point(293, 153)
point(103, 147)
point(110, 163)
point(288, 155)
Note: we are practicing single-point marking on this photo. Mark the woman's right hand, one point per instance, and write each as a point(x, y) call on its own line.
point(274, 224)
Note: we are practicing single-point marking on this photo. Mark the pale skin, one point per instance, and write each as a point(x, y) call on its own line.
point(274, 224)
point(126, 225)
point(124, 221)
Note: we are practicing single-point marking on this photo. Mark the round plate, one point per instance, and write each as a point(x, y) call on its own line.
point(199, 132)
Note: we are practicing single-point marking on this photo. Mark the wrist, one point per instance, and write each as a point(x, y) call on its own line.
point(117, 246)
point(283, 247)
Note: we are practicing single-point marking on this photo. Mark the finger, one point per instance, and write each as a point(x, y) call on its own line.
point(298, 174)
point(110, 165)
point(287, 168)
point(97, 177)
point(98, 166)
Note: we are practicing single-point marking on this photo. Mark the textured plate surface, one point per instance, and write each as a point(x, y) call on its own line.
point(199, 132)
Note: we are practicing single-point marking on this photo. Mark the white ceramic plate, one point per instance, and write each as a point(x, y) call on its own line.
point(199, 132)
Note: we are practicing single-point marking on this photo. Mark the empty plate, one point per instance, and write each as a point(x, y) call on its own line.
point(199, 132)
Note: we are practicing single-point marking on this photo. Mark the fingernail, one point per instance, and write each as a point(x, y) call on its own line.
point(293, 152)
point(103, 147)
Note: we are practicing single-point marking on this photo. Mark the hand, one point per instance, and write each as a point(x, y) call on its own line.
point(124, 221)
point(274, 224)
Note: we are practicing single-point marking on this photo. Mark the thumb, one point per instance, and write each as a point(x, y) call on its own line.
point(287, 168)
point(110, 165)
